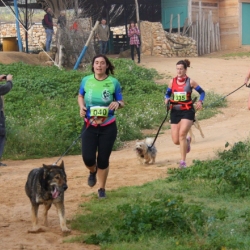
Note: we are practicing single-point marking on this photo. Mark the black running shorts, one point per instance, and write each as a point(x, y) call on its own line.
point(177, 115)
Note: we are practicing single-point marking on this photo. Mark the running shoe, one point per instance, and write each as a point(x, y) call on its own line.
point(182, 164)
point(101, 193)
point(92, 179)
point(188, 144)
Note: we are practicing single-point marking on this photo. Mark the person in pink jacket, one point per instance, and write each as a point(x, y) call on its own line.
point(134, 34)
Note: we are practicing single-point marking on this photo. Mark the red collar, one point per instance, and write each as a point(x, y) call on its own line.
point(182, 79)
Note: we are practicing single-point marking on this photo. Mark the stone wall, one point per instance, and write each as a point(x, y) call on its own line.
point(156, 41)
point(36, 34)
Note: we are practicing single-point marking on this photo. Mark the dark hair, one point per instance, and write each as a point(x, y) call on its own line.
point(185, 63)
point(130, 24)
point(110, 68)
point(104, 19)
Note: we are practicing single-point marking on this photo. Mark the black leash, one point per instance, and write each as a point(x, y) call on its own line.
point(222, 98)
point(168, 108)
point(74, 142)
point(236, 90)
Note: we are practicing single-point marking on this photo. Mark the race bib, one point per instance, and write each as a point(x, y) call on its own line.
point(99, 111)
point(180, 96)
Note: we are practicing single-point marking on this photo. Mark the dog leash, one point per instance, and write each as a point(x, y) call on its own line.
point(74, 142)
point(168, 108)
point(222, 98)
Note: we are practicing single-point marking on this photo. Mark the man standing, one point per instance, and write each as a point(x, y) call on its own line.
point(48, 25)
point(4, 89)
point(103, 35)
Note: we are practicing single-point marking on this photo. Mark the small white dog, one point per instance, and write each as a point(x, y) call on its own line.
point(145, 152)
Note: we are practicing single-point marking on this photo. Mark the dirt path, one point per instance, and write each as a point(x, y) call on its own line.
point(232, 125)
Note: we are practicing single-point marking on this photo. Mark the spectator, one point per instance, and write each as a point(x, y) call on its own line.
point(103, 36)
point(4, 89)
point(134, 35)
point(61, 22)
point(48, 25)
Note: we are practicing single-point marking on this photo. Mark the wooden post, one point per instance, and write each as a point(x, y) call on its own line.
point(171, 23)
point(138, 21)
point(209, 31)
point(185, 27)
point(203, 33)
point(212, 37)
point(218, 31)
point(194, 32)
point(76, 7)
point(200, 29)
point(178, 16)
point(197, 33)
point(137, 13)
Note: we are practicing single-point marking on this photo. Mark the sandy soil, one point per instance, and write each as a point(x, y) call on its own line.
point(232, 125)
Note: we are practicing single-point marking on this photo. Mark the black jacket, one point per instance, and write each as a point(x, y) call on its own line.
point(4, 89)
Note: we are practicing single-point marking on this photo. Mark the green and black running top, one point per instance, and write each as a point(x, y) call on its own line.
point(98, 94)
point(181, 95)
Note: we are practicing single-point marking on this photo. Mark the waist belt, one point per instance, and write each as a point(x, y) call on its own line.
point(95, 121)
point(181, 105)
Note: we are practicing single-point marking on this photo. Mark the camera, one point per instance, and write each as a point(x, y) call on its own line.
point(4, 77)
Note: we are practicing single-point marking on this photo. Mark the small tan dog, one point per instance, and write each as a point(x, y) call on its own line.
point(145, 153)
point(197, 125)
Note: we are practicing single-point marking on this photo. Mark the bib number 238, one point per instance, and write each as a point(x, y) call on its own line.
point(180, 96)
point(99, 111)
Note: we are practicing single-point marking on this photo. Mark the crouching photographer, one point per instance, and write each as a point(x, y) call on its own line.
point(4, 89)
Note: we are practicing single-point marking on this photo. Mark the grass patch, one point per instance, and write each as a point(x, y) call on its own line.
point(237, 54)
point(42, 114)
point(189, 210)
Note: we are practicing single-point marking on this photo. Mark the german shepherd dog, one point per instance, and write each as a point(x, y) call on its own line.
point(46, 185)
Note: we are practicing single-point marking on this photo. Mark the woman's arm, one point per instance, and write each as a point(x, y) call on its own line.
point(168, 92)
point(81, 105)
point(249, 102)
point(247, 77)
point(130, 32)
point(200, 91)
point(137, 32)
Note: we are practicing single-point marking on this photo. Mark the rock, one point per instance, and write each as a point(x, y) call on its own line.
point(125, 54)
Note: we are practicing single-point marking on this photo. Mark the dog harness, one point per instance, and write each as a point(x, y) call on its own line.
point(181, 95)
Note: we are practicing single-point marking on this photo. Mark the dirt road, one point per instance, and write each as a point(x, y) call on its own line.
point(232, 125)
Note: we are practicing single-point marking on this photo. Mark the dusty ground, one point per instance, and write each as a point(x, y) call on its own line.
point(232, 125)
